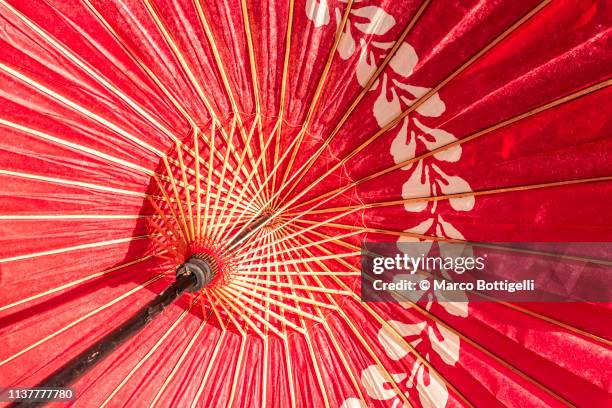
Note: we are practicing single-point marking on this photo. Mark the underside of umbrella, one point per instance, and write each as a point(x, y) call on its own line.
point(218, 165)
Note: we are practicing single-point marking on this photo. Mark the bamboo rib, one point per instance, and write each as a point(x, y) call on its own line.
point(221, 68)
point(302, 273)
point(234, 303)
point(398, 337)
point(414, 106)
point(265, 321)
point(332, 337)
point(180, 231)
point(250, 311)
point(149, 353)
point(277, 316)
point(69, 217)
point(76, 183)
point(428, 95)
point(237, 371)
point(264, 367)
point(337, 240)
point(215, 350)
point(165, 240)
point(198, 181)
point(72, 183)
point(507, 122)
point(213, 358)
point(303, 260)
point(182, 216)
point(71, 145)
point(183, 62)
point(295, 232)
point(296, 298)
point(315, 98)
point(283, 95)
point(148, 72)
point(243, 289)
point(72, 248)
point(77, 108)
point(224, 166)
point(211, 150)
point(312, 354)
point(253, 67)
point(191, 228)
point(78, 281)
point(222, 302)
point(385, 231)
point(225, 202)
point(179, 56)
point(427, 314)
point(307, 288)
point(81, 110)
point(82, 318)
point(83, 65)
point(133, 57)
point(502, 190)
point(360, 96)
point(261, 207)
point(284, 224)
point(287, 359)
point(84, 149)
point(267, 299)
point(178, 364)
point(224, 78)
point(478, 245)
point(213, 306)
point(358, 335)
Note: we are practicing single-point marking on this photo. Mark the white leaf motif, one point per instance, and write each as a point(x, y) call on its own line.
point(453, 185)
point(404, 60)
point(432, 107)
point(421, 228)
point(434, 394)
point(352, 403)
point(423, 247)
point(417, 186)
point(375, 383)
point(386, 110)
point(317, 12)
point(365, 68)
point(379, 21)
point(457, 307)
point(448, 347)
point(403, 148)
point(394, 349)
point(441, 138)
point(446, 229)
point(346, 45)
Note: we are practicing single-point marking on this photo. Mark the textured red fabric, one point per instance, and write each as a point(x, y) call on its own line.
point(96, 97)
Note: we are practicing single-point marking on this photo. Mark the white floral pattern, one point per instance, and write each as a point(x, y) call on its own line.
point(424, 178)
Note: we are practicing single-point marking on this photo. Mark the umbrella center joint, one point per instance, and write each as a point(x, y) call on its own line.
point(202, 267)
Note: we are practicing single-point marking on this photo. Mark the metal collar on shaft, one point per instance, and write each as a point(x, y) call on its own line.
point(201, 269)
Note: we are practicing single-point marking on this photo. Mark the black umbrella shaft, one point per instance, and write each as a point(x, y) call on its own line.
point(82, 363)
point(193, 275)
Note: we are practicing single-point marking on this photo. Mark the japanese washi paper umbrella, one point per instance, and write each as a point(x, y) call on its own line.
point(252, 146)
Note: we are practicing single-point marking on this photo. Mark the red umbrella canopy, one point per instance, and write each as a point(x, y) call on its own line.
point(272, 138)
